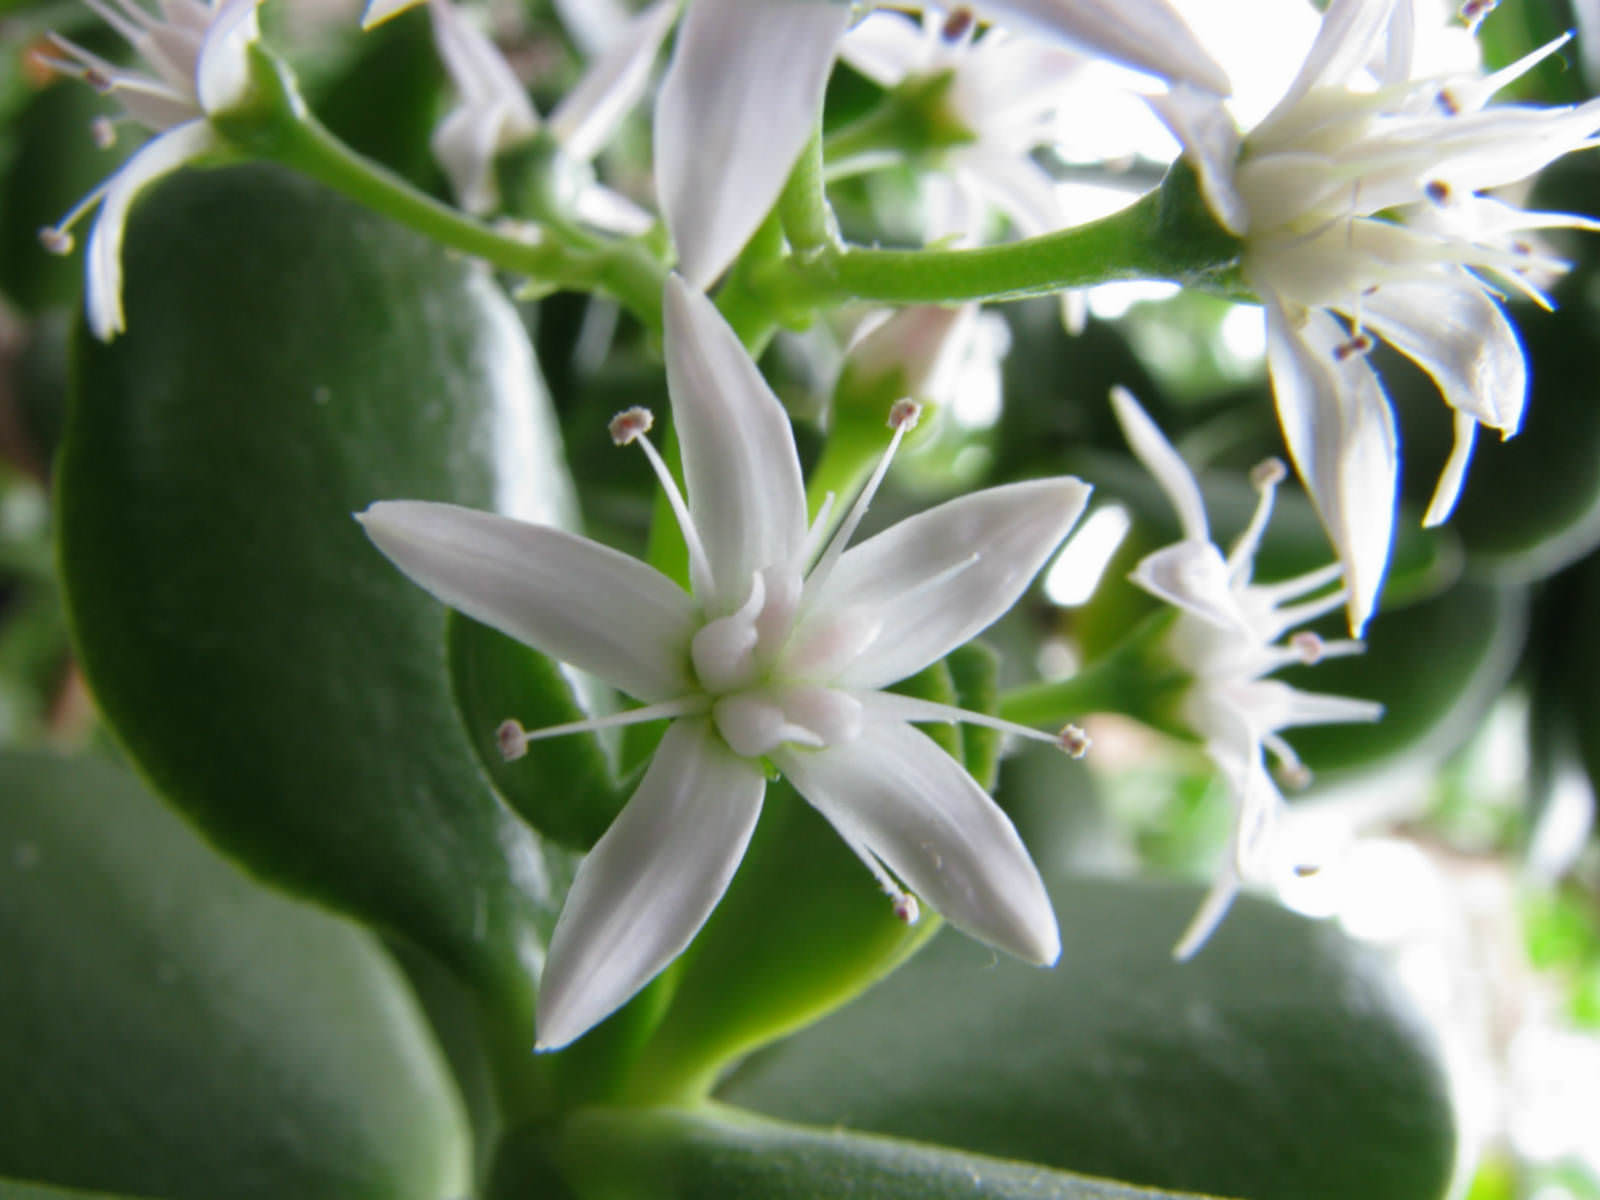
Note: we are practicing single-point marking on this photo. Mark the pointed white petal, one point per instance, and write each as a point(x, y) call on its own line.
point(886, 47)
point(1210, 138)
point(936, 580)
point(1340, 433)
point(649, 884)
point(476, 67)
point(1456, 332)
point(103, 256)
point(1268, 705)
point(1454, 475)
point(593, 24)
point(464, 144)
point(602, 208)
point(222, 73)
point(588, 116)
point(741, 96)
point(379, 11)
point(1193, 576)
point(893, 791)
point(740, 466)
point(573, 599)
point(1147, 441)
point(1352, 33)
point(1210, 913)
point(1017, 186)
point(1146, 34)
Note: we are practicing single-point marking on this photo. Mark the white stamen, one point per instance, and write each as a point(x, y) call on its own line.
point(514, 739)
point(1074, 741)
point(57, 238)
point(1268, 473)
point(1300, 585)
point(818, 530)
point(1294, 773)
point(55, 241)
point(903, 417)
point(630, 427)
point(1265, 478)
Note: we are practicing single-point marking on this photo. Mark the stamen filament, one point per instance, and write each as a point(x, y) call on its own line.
point(631, 426)
point(818, 530)
point(1266, 477)
point(57, 238)
point(514, 738)
point(1301, 585)
point(910, 708)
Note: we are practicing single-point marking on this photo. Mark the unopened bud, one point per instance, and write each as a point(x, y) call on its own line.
point(630, 424)
point(513, 739)
point(1074, 741)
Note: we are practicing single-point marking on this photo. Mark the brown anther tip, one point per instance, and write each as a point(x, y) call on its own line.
point(630, 425)
point(1437, 191)
point(1074, 741)
point(905, 414)
point(1306, 870)
point(1297, 776)
point(1361, 343)
point(512, 738)
point(906, 909)
point(1269, 472)
point(55, 241)
point(103, 132)
point(958, 24)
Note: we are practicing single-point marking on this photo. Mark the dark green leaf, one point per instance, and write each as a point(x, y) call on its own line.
point(14, 1189)
point(1435, 667)
point(290, 359)
point(1282, 1063)
point(712, 1153)
point(178, 1031)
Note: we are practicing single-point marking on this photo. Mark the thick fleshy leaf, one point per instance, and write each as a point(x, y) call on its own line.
point(740, 466)
point(1147, 34)
point(179, 1031)
point(648, 885)
point(741, 95)
point(1340, 433)
point(718, 1153)
point(1284, 1061)
point(14, 1189)
point(938, 579)
point(580, 602)
point(270, 673)
point(894, 794)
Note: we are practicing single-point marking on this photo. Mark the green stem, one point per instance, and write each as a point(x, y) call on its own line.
point(807, 219)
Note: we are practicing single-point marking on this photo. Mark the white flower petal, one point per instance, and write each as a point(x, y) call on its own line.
point(1340, 432)
point(1457, 333)
point(1146, 34)
point(379, 11)
point(649, 884)
point(1351, 35)
point(1017, 186)
point(588, 116)
point(1268, 705)
point(1220, 897)
point(1210, 138)
point(1193, 576)
point(740, 98)
point(740, 466)
point(464, 144)
point(1448, 490)
point(886, 47)
point(602, 208)
point(1151, 447)
point(893, 791)
point(573, 599)
point(222, 73)
point(475, 65)
point(103, 257)
point(936, 580)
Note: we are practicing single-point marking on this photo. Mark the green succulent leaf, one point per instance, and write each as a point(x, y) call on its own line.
point(178, 1031)
point(1282, 1062)
point(291, 359)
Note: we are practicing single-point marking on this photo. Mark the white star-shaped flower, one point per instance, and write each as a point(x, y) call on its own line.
point(1360, 195)
point(1226, 639)
point(197, 60)
point(495, 113)
point(744, 89)
point(778, 654)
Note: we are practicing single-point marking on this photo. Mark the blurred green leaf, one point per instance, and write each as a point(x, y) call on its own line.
point(175, 1030)
point(1282, 1062)
point(13, 1189)
point(290, 359)
point(708, 1154)
point(1436, 668)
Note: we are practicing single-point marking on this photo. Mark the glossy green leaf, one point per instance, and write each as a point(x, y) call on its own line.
point(178, 1031)
point(289, 360)
point(712, 1153)
point(16, 1189)
point(1282, 1063)
point(1435, 667)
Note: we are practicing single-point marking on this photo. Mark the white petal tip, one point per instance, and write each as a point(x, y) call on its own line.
point(379, 11)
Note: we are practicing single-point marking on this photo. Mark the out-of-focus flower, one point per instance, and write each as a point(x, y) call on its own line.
point(198, 68)
point(1226, 639)
point(744, 89)
point(777, 655)
point(496, 115)
point(1359, 199)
